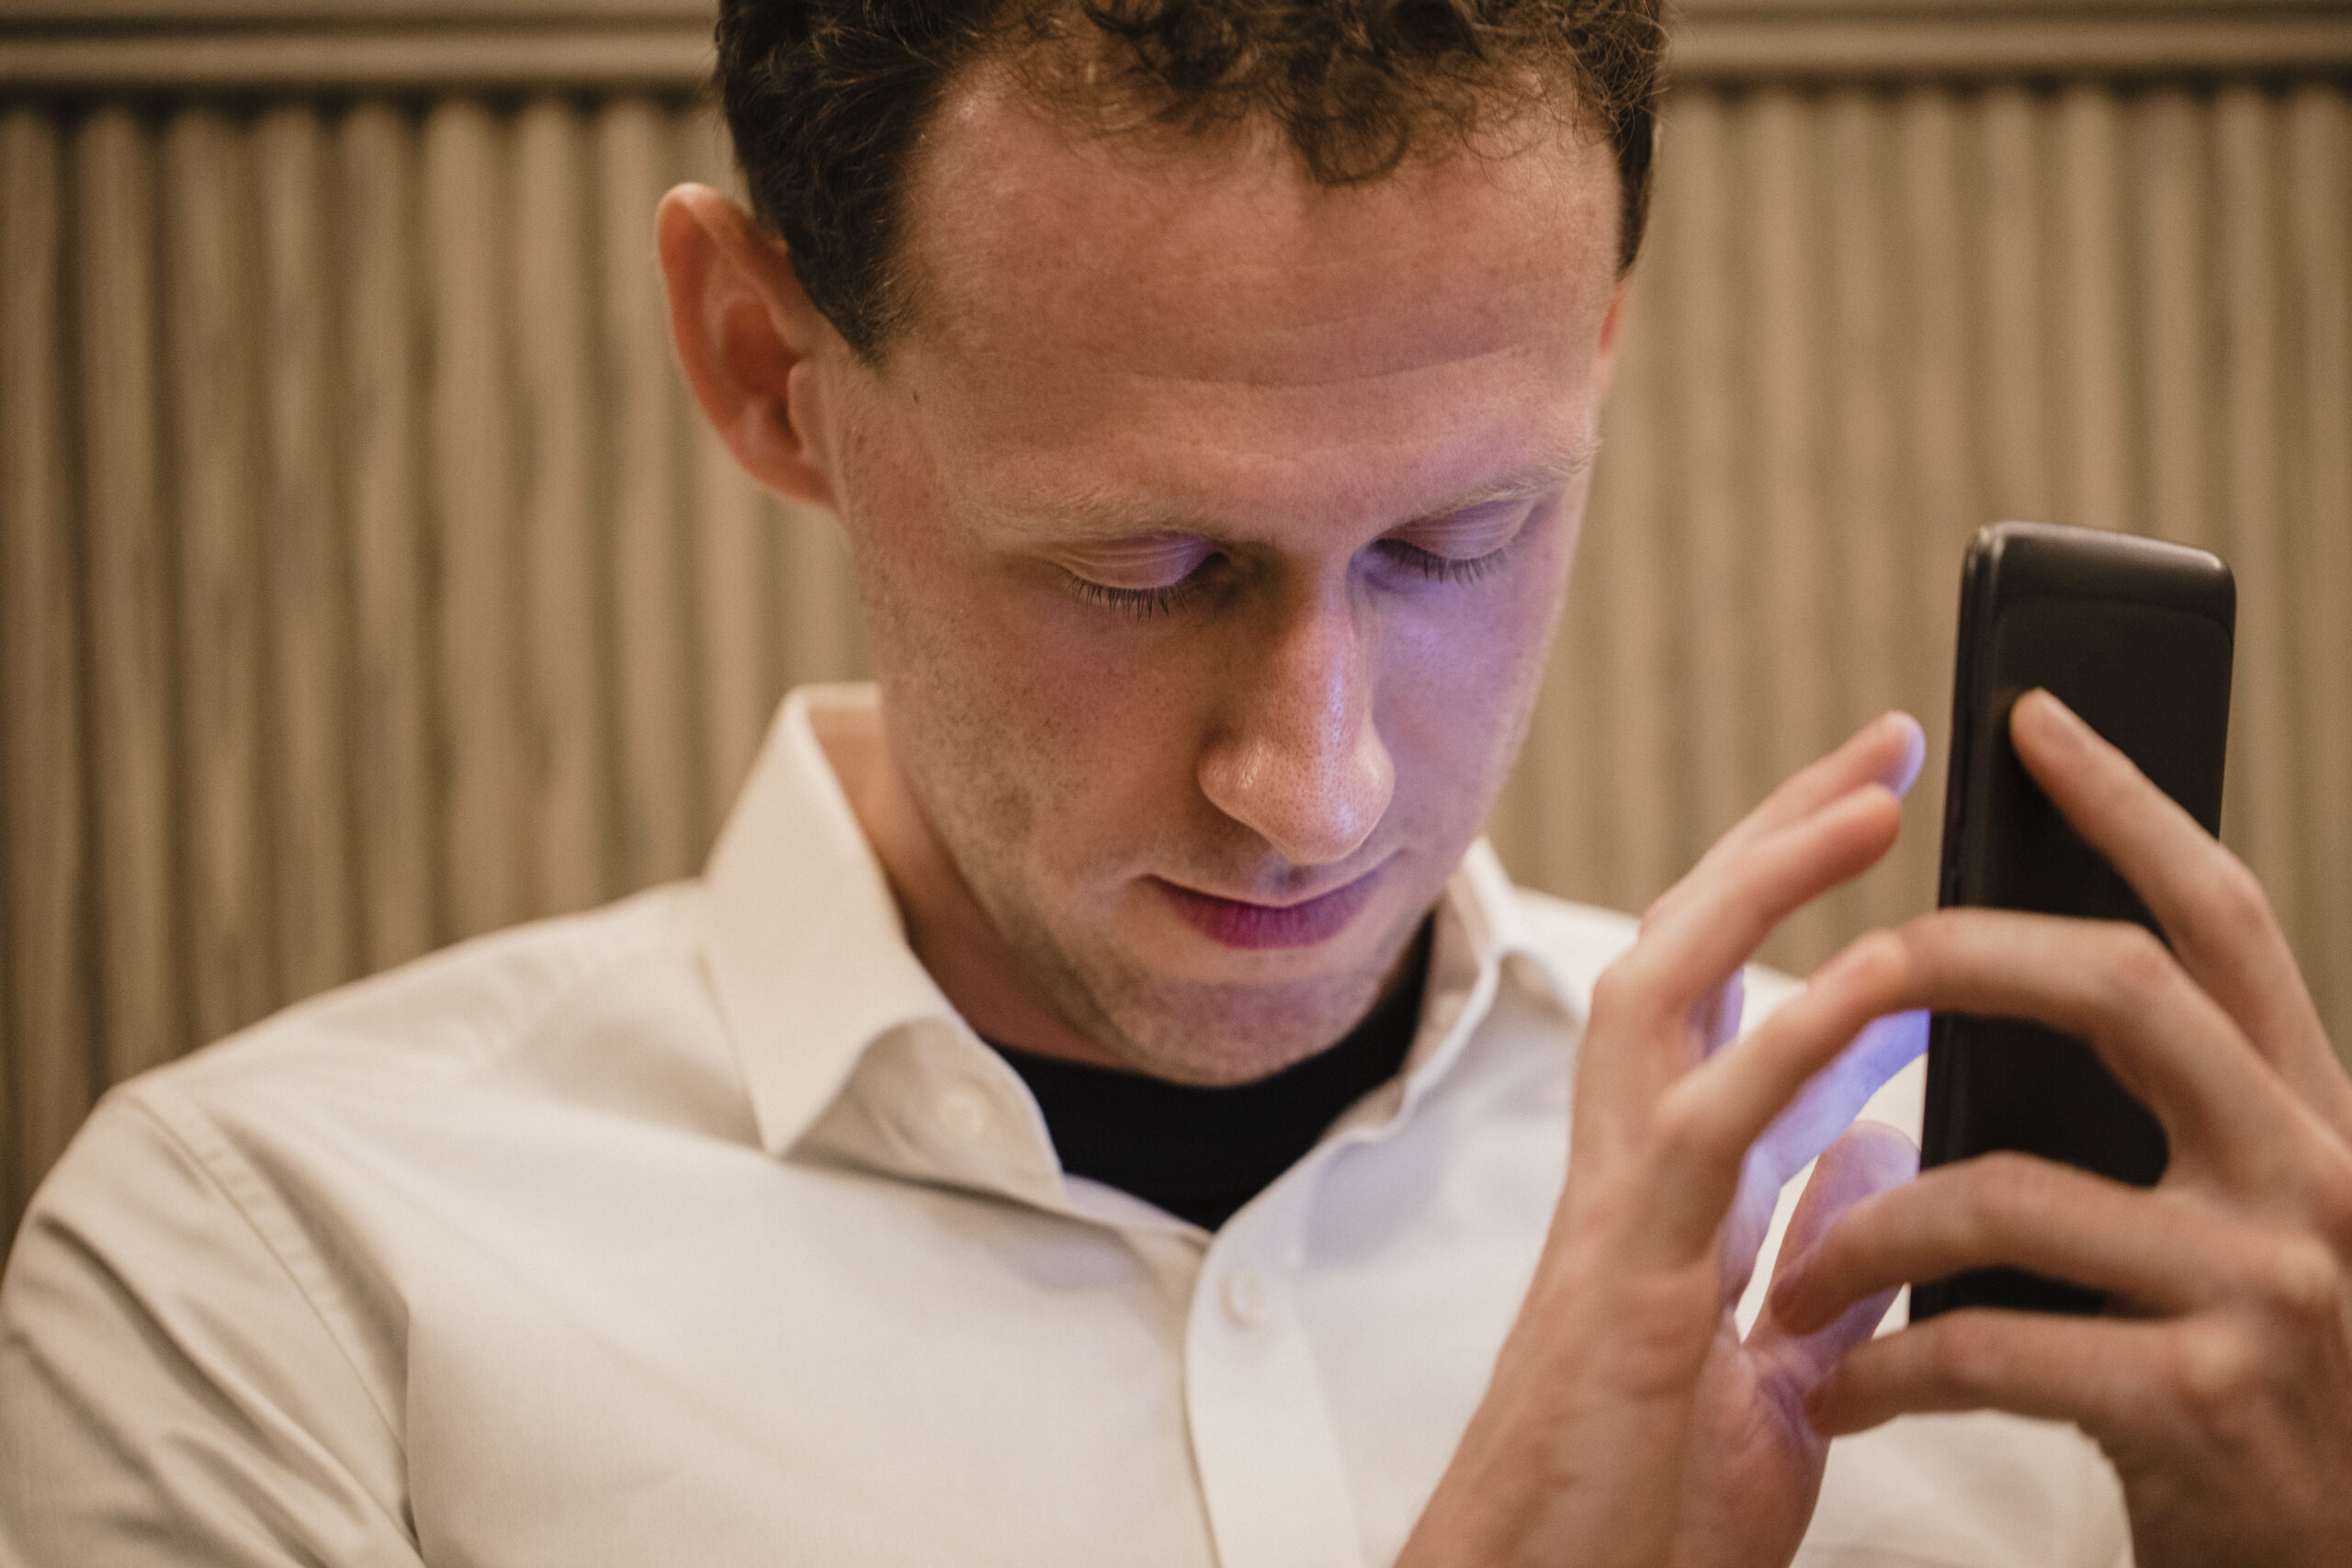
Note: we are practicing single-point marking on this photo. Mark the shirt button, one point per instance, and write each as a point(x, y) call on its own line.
point(1245, 1298)
point(964, 1114)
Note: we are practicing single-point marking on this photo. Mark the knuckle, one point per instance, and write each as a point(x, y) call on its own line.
point(1881, 958)
point(2214, 1372)
point(1964, 1356)
point(1626, 994)
point(2304, 1283)
point(1687, 1129)
point(2233, 895)
point(2003, 1188)
point(1683, 1128)
point(2137, 967)
point(1927, 942)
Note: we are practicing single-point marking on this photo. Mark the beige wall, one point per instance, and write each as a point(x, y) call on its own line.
point(366, 582)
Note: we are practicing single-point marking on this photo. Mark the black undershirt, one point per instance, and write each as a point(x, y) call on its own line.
point(1202, 1153)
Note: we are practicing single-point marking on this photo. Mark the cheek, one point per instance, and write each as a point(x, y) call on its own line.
point(1460, 689)
point(1076, 738)
point(1115, 711)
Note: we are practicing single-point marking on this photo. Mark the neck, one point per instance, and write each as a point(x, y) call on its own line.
point(980, 972)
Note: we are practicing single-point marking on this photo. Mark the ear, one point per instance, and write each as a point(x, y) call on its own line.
point(749, 339)
point(1604, 352)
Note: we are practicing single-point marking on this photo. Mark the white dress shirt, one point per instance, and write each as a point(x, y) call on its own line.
point(701, 1230)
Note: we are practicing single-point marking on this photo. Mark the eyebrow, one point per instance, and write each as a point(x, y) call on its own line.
point(1091, 520)
point(1540, 478)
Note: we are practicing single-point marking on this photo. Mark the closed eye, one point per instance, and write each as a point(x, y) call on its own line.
point(1441, 568)
point(1143, 576)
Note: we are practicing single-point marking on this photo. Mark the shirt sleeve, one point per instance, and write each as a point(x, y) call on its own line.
point(170, 1392)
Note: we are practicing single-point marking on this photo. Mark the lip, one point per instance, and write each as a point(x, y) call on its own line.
point(1238, 923)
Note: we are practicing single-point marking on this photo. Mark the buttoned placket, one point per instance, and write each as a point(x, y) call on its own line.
point(1268, 1459)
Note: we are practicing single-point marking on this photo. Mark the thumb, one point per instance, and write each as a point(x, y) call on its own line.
point(1867, 1159)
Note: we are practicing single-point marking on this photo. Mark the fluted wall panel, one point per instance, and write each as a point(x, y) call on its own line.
point(366, 580)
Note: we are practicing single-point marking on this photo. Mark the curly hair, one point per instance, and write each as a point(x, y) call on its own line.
point(825, 99)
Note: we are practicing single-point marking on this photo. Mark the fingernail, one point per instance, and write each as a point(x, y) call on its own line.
point(1914, 757)
point(2059, 713)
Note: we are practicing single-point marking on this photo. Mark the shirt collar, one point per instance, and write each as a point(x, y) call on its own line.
point(1483, 944)
point(809, 960)
point(808, 953)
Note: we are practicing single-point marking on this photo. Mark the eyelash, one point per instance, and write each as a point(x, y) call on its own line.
point(1444, 569)
point(1136, 603)
point(1144, 603)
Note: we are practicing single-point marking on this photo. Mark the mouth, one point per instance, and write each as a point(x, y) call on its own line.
point(1240, 923)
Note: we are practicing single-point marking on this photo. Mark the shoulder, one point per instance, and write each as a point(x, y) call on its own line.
point(425, 1068)
point(226, 1259)
point(453, 1018)
point(272, 1164)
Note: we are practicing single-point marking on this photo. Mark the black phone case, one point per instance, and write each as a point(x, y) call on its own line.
point(2134, 634)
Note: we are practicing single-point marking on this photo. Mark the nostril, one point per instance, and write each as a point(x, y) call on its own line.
point(1313, 804)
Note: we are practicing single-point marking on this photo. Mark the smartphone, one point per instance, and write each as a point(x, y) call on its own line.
point(2134, 634)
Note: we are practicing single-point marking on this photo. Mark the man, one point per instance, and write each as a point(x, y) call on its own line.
point(1101, 1106)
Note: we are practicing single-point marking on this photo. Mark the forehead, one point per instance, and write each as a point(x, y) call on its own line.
point(1190, 313)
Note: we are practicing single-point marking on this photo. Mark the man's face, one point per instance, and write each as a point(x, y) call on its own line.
point(1213, 527)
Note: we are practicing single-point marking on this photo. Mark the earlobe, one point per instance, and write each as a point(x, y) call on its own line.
point(747, 337)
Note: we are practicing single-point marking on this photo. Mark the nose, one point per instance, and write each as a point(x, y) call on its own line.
point(1298, 759)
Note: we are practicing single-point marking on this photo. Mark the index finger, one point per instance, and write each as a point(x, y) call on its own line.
point(2212, 910)
point(1888, 751)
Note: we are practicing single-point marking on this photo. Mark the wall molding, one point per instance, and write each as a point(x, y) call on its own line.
point(665, 58)
point(1908, 39)
point(49, 46)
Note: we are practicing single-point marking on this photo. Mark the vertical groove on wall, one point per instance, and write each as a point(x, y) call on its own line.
point(2092, 266)
point(387, 730)
point(143, 990)
point(476, 588)
point(2174, 316)
point(302, 524)
point(44, 850)
point(564, 555)
point(370, 581)
point(209, 303)
point(2008, 231)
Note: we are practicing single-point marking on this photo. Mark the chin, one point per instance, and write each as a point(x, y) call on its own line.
point(1224, 1032)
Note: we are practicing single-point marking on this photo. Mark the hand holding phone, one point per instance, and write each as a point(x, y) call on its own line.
point(2221, 1386)
point(2134, 634)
